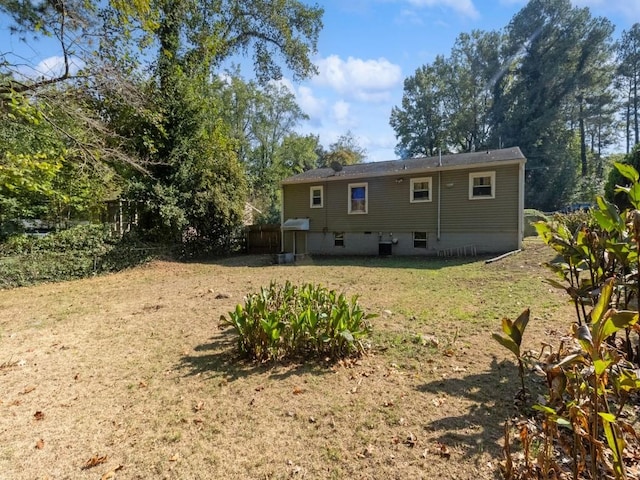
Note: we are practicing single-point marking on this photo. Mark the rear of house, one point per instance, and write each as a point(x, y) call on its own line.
point(456, 204)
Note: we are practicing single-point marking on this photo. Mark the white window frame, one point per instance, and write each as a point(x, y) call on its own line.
point(492, 176)
point(316, 188)
point(350, 187)
point(425, 239)
point(412, 190)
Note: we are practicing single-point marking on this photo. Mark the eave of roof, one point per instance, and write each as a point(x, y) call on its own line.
point(484, 159)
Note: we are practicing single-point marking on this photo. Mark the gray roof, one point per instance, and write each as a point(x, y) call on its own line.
point(411, 165)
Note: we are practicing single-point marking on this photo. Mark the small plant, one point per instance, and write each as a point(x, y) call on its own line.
point(512, 340)
point(285, 321)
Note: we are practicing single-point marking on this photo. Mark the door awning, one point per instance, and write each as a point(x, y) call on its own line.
point(296, 224)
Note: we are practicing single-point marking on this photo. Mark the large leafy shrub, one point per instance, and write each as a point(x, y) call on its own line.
point(287, 321)
point(582, 429)
point(74, 253)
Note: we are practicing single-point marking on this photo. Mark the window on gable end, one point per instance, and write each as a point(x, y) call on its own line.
point(316, 197)
point(482, 185)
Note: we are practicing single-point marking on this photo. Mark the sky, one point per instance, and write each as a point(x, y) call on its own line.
point(365, 51)
point(368, 47)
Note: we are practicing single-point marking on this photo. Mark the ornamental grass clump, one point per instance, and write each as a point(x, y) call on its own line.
point(289, 321)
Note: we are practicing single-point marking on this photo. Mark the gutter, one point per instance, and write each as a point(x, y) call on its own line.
point(439, 191)
point(282, 218)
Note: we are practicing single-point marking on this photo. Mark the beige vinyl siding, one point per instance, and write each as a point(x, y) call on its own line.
point(460, 214)
point(297, 205)
point(389, 207)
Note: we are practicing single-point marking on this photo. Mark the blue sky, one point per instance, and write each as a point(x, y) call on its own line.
point(368, 47)
point(366, 50)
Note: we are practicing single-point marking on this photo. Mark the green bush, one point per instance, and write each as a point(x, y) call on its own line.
point(288, 321)
point(574, 221)
point(74, 253)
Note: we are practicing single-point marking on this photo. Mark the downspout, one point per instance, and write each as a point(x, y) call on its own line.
point(521, 205)
point(439, 190)
point(282, 218)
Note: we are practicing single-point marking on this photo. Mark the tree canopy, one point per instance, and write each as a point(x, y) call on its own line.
point(142, 82)
point(545, 84)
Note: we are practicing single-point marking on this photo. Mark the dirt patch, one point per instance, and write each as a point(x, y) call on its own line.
point(130, 376)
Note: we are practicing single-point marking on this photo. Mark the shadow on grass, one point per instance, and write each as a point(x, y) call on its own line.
point(414, 262)
point(220, 358)
point(481, 428)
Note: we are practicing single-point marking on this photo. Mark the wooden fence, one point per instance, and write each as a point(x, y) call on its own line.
point(262, 239)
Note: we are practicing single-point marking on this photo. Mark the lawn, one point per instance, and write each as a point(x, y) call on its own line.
point(131, 375)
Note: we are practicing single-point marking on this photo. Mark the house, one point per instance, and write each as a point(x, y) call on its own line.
point(465, 203)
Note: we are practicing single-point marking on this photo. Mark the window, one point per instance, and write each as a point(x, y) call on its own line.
point(420, 190)
point(419, 239)
point(338, 239)
point(316, 197)
point(358, 196)
point(482, 185)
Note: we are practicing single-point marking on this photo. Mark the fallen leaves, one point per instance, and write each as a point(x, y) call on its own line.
point(111, 473)
point(9, 364)
point(28, 389)
point(298, 390)
point(94, 462)
point(411, 440)
point(38, 415)
point(39, 444)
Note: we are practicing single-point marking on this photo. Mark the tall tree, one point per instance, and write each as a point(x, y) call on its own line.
point(420, 124)
point(475, 60)
point(447, 106)
point(553, 47)
point(196, 180)
point(628, 49)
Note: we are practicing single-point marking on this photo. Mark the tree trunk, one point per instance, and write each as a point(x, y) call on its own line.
point(635, 109)
point(583, 143)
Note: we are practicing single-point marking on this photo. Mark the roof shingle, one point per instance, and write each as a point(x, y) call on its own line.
point(410, 165)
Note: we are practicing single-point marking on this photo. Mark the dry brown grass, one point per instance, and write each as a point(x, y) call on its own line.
point(134, 368)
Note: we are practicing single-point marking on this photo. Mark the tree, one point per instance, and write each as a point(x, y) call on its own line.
point(475, 59)
point(555, 49)
point(447, 106)
point(345, 150)
point(262, 119)
point(420, 124)
point(43, 174)
point(192, 178)
point(628, 49)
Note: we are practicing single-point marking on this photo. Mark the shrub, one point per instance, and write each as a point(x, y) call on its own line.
point(582, 428)
point(74, 253)
point(288, 321)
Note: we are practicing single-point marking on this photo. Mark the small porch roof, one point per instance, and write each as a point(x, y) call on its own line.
point(296, 224)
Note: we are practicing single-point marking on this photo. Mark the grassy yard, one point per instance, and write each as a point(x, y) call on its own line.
point(132, 372)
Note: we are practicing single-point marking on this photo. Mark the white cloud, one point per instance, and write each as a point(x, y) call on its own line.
point(464, 7)
point(52, 67)
point(309, 103)
point(367, 80)
point(341, 111)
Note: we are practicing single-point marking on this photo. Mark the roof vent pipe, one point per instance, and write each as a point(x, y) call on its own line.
point(439, 157)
